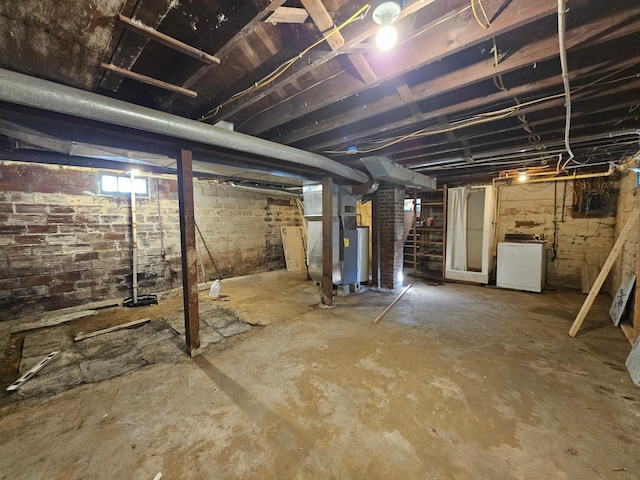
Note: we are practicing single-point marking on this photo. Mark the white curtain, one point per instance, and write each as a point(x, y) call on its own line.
point(458, 228)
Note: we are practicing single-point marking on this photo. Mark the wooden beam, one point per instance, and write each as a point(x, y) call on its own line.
point(606, 268)
point(488, 103)
point(327, 240)
point(188, 245)
point(587, 35)
point(390, 306)
point(131, 45)
point(407, 98)
point(358, 34)
point(549, 112)
point(288, 15)
point(153, 34)
point(363, 68)
point(133, 323)
point(228, 48)
point(430, 45)
point(324, 22)
point(151, 81)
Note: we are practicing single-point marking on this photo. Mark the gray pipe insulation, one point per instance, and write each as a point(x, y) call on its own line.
point(43, 94)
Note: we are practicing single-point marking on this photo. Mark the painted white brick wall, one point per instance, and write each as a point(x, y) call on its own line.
point(538, 208)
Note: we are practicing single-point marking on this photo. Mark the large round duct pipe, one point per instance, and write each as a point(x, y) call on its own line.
point(45, 95)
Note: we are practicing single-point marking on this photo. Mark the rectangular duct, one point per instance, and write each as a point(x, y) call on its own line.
point(384, 169)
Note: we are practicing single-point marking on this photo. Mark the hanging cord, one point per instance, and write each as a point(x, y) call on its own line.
point(534, 138)
point(497, 79)
point(565, 76)
point(359, 15)
point(475, 14)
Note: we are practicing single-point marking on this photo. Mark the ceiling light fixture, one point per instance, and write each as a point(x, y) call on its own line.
point(523, 174)
point(386, 14)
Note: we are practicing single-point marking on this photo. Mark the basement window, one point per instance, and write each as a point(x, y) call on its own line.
point(121, 185)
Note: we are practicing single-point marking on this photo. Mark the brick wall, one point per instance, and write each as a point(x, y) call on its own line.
point(63, 244)
point(628, 200)
point(538, 207)
point(391, 217)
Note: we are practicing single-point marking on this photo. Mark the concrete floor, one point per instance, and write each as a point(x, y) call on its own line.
point(456, 382)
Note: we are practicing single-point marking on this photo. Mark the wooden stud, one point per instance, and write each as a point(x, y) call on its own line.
point(327, 240)
point(188, 245)
point(151, 81)
point(168, 41)
point(617, 247)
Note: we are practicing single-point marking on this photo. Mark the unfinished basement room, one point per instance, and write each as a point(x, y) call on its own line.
point(319, 239)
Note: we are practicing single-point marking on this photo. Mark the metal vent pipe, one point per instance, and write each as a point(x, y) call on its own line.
point(45, 95)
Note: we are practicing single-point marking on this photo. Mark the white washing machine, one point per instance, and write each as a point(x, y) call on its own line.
point(521, 266)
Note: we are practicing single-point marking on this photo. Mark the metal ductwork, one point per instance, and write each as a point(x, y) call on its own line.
point(383, 169)
point(45, 95)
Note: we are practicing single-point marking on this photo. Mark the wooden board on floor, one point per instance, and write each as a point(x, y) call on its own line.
point(292, 242)
point(82, 336)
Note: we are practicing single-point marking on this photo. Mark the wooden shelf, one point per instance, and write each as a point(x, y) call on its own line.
point(426, 245)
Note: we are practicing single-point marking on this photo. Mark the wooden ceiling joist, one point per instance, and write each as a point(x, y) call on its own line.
point(168, 41)
point(288, 15)
point(130, 45)
point(324, 22)
point(445, 38)
point(247, 30)
point(360, 34)
point(148, 80)
point(598, 31)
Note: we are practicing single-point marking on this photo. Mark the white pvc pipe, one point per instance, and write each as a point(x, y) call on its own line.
point(134, 239)
point(562, 10)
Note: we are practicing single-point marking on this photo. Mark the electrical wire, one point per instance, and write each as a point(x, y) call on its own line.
point(475, 14)
point(493, 115)
point(359, 15)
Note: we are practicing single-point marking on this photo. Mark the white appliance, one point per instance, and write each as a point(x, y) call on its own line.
point(521, 266)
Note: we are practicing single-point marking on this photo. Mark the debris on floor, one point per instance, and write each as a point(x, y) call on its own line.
point(112, 347)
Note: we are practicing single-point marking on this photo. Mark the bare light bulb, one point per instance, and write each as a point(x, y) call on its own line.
point(522, 176)
point(386, 37)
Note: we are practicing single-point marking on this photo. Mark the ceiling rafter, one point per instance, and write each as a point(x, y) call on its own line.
point(354, 36)
point(228, 48)
point(595, 32)
point(447, 37)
